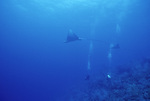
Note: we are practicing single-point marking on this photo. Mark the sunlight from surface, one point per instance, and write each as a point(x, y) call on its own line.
point(66, 4)
point(98, 7)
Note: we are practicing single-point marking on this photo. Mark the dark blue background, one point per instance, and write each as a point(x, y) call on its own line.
point(35, 64)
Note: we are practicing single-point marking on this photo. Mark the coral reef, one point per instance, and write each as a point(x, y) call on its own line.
point(128, 83)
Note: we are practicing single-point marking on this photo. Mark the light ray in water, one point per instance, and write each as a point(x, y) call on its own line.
point(92, 34)
point(118, 29)
point(89, 55)
point(109, 57)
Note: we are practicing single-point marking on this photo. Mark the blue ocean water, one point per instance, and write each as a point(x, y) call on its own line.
point(36, 64)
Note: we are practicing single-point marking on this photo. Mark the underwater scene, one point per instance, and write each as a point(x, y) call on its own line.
point(74, 50)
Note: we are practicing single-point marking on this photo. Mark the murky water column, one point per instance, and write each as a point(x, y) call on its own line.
point(118, 29)
point(112, 46)
point(89, 55)
point(92, 35)
point(110, 57)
